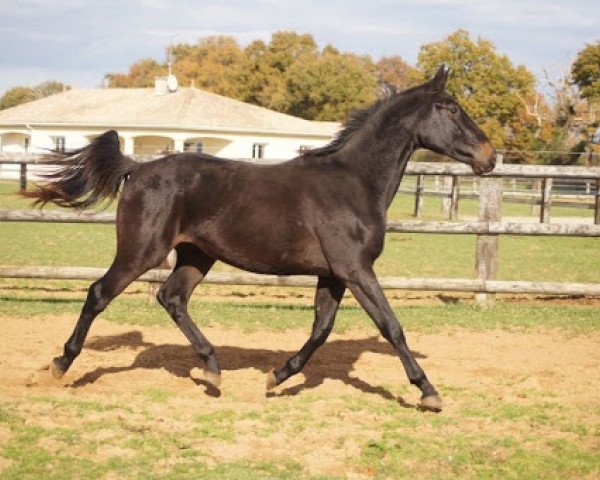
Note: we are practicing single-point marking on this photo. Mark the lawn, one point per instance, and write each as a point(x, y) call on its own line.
point(416, 255)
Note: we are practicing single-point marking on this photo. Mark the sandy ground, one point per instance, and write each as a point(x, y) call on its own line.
point(122, 357)
point(119, 360)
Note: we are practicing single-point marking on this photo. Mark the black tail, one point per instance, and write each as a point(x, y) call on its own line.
point(86, 176)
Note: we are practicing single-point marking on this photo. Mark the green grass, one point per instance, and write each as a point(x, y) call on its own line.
point(417, 255)
point(479, 438)
point(278, 315)
point(140, 450)
point(403, 206)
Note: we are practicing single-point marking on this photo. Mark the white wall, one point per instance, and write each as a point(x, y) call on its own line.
point(229, 145)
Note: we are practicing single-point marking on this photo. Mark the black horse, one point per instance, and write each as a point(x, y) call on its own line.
point(322, 213)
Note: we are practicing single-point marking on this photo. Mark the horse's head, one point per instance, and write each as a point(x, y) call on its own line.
point(445, 128)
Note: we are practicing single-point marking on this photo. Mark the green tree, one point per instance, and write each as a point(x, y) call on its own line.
point(291, 75)
point(329, 86)
point(267, 64)
point(493, 91)
point(18, 95)
point(586, 75)
point(586, 72)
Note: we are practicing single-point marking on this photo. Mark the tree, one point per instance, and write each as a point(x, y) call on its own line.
point(267, 64)
point(141, 74)
point(16, 96)
point(19, 95)
point(396, 71)
point(498, 95)
point(586, 75)
point(45, 89)
point(569, 117)
point(586, 72)
point(214, 64)
point(329, 86)
point(289, 74)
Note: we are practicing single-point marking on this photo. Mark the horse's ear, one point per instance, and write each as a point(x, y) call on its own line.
point(386, 89)
point(439, 80)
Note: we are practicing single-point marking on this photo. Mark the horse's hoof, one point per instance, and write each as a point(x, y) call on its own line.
point(271, 380)
point(213, 378)
point(432, 403)
point(57, 372)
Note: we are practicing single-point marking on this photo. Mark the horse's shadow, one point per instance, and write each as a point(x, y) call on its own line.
point(334, 360)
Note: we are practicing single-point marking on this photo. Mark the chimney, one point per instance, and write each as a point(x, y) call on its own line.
point(160, 86)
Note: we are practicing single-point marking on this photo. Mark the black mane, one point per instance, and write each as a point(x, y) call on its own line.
point(353, 123)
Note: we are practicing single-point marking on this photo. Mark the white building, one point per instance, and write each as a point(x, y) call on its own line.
point(155, 121)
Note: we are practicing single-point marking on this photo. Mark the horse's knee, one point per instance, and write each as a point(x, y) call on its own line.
point(163, 298)
point(169, 301)
point(97, 298)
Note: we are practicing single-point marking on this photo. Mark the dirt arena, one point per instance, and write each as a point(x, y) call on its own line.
point(120, 361)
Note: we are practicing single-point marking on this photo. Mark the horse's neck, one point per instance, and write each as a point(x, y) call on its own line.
point(381, 164)
point(396, 174)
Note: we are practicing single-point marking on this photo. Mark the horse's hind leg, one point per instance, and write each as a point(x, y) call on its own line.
point(327, 300)
point(124, 270)
point(191, 268)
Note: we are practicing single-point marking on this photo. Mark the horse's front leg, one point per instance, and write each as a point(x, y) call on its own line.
point(327, 300)
point(366, 289)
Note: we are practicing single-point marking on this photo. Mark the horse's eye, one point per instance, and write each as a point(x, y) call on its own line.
point(453, 109)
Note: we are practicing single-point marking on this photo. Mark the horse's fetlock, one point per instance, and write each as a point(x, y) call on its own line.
point(71, 351)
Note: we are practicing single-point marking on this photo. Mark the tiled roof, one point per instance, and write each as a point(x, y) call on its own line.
point(187, 108)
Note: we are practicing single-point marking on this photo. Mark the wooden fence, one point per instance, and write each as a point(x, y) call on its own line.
point(541, 195)
point(488, 228)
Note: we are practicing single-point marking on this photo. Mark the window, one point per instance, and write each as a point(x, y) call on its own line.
point(197, 147)
point(59, 144)
point(258, 150)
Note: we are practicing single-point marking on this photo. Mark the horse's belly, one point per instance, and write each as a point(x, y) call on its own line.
point(298, 253)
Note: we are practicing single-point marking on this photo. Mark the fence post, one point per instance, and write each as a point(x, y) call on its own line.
point(23, 177)
point(535, 193)
point(597, 206)
point(419, 196)
point(545, 201)
point(490, 210)
point(454, 199)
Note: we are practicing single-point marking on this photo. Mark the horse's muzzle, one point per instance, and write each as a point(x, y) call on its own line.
point(485, 160)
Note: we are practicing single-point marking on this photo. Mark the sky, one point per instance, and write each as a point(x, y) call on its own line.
point(79, 41)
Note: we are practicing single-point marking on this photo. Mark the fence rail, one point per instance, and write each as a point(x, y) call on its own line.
point(543, 197)
point(398, 283)
point(414, 168)
point(408, 226)
point(488, 228)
